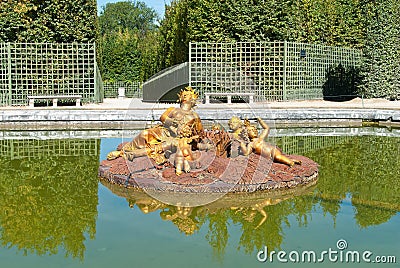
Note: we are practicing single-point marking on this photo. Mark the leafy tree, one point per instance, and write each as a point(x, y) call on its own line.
point(127, 41)
point(127, 16)
point(48, 21)
point(150, 61)
point(174, 37)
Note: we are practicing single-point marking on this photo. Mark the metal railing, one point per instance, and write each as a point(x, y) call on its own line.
point(132, 89)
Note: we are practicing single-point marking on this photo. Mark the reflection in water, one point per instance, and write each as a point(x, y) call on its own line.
point(365, 168)
point(368, 169)
point(260, 215)
point(48, 196)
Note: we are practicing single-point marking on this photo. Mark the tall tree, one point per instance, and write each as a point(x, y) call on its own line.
point(127, 16)
point(127, 31)
point(174, 36)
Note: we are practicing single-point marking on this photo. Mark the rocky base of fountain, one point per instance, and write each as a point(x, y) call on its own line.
point(210, 174)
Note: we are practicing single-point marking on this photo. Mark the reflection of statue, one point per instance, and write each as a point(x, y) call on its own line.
point(182, 217)
point(250, 213)
point(258, 145)
point(147, 205)
point(254, 215)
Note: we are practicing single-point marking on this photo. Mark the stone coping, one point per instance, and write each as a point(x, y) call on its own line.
point(82, 115)
point(131, 113)
point(46, 134)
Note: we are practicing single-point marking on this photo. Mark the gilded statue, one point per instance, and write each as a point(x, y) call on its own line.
point(152, 142)
point(236, 126)
point(185, 125)
point(258, 145)
point(184, 152)
point(174, 117)
point(179, 132)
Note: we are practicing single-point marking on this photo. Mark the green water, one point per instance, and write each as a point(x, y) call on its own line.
point(55, 212)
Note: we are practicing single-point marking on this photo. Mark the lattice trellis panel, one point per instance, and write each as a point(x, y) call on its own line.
point(132, 89)
point(49, 69)
point(306, 68)
point(4, 75)
point(16, 149)
point(236, 67)
point(274, 71)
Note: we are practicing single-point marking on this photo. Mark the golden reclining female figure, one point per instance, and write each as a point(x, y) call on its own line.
point(180, 131)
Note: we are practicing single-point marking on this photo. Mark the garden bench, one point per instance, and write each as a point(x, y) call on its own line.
point(55, 99)
point(229, 96)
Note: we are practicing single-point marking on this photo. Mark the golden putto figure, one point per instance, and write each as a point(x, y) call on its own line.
point(258, 145)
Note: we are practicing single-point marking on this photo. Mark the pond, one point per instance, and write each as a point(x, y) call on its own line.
point(56, 213)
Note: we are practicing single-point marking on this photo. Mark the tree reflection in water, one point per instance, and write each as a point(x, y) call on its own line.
point(365, 168)
point(48, 195)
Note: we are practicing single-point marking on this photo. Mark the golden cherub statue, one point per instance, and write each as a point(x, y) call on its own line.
point(258, 145)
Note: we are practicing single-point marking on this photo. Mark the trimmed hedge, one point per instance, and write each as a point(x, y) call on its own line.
point(46, 21)
point(373, 26)
point(381, 68)
point(127, 41)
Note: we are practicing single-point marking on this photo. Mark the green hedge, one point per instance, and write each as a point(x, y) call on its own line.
point(382, 51)
point(127, 41)
point(48, 21)
point(369, 25)
point(335, 23)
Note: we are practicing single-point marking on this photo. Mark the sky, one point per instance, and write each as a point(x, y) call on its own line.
point(157, 5)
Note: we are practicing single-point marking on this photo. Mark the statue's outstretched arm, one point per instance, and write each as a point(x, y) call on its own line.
point(265, 126)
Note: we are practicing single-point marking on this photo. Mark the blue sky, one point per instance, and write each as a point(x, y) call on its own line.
point(158, 5)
